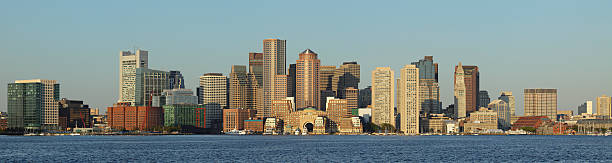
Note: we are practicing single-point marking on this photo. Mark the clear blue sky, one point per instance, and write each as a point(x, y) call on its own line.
point(517, 44)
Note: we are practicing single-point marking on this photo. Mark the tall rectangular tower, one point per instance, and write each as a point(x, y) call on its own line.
point(256, 62)
point(604, 105)
point(460, 93)
point(383, 96)
point(429, 87)
point(347, 75)
point(128, 63)
point(273, 66)
point(409, 105)
point(238, 88)
point(33, 104)
point(541, 102)
point(307, 80)
point(214, 94)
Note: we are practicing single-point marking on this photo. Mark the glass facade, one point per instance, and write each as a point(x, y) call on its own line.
point(25, 104)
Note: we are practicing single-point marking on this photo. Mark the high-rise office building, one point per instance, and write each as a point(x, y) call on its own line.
point(326, 76)
point(33, 104)
point(176, 80)
point(365, 97)
point(503, 113)
point(256, 62)
point(408, 95)
point(483, 99)
point(541, 102)
point(274, 67)
point(282, 108)
point(307, 83)
point(507, 97)
point(175, 96)
point(149, 83)
point(352, 97)
point(429, 87)
point(336, 110)
point(383, 96)
point(128, 63)
point(238, 87)
point(214, 98)
point(347, 75)
point(586, 107)
point(460, 93)
point(233, 119)
point(254, 93)
point(603, 105)
point(292, 81)
point(471, 79)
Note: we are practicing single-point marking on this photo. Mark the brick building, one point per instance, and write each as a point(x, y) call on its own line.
point(123, 116)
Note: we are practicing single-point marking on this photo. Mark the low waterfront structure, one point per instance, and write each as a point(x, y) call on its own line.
point(185, 115)
point(123, 116)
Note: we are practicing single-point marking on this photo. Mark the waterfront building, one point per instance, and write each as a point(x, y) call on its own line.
point(175, 96)
point(604, 105)
point(541, 102)
point(307, 84)
point(238, 87)
point(3, 121)
point(352, 97)
point(460, 93)
point(254, 125)
point(273, 126)
point(123, 116)
point(503, 113)
point(409, 103)
point(74, 114)
point(383, 96)
point(336, 110)
point(176, 80)
point(530, 122)
point(128, 63)
point(274, 67)
point(308, 120)
point(586, 107)
point(365, 97)
point(233, 119)
point(482, 120)
point(33, 104)
point(483, 99)
point(347, 75)
point(471, 81)
point(150, 83)
point(507, 97)
point(184, 115)
point(214, 98)
point(292, 80)
point(350, 125)
point(435, 123)
point(282, 108)
point(429, 95)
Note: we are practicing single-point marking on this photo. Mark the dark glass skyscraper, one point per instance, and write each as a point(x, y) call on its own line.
point(176, 80)
point(429, 88)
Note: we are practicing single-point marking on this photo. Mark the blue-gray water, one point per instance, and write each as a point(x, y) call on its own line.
point(220, 148)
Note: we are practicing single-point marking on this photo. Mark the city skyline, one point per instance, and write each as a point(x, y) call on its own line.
point(543, 63)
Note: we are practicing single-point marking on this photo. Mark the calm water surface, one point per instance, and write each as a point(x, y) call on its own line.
point(223, 148)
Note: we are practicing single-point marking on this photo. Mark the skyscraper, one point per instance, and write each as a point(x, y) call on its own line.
point(175, 96)
point(429, 87)
point(507, 97)
point(149, 83)
point(352, 97)
point(365, 97)
point(128, 63)
point(347, 75)
point(176, 80)
point(603, 105)
point(586, 107)
point(503, 113)
point(307, 83)
point(483, 99)
point(292, 81)
point(471, 78)
point(383, 96)
point(541, 102)
point(326, 75)
point(460, 93)
point(273, 66)
point(409, 105)
point(256, 62)
point(238, 89)
point(33, 104)
point(214, 94)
